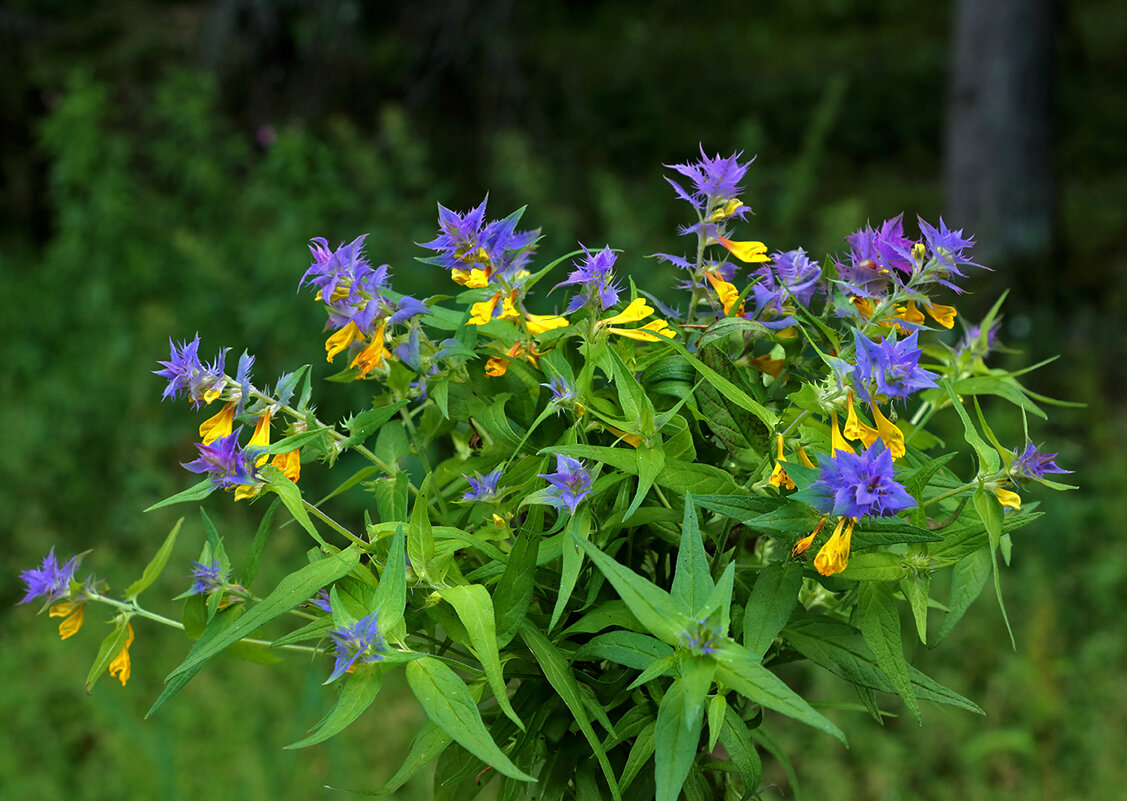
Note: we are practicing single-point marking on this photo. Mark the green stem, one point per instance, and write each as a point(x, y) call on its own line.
point(334, 525)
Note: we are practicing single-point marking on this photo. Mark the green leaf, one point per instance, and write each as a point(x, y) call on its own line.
point(916, 590)
point(475, 610)
point(1002, 387)
point(717, 709)
point(559, 675)
point(654, 608)
point(258, 546)
point(743, 672)
point(637, 651)
point(968, 578)
point(651, 461)
point(772, 600)
point(420, 537)
point(879, 621)
point(696, 681)
point(391, 594)
point(840, 649)
point(153, 568)
point(726, 387)
point(513, 593)
point(736, 738)
point(109, 649)
point(448, 703)
point(987, 456)
point(878, 566)
point(428, 743)
point(640, 753)
point(743, 508)
point(367, 423)
point(675, 744)
point(359, 692)
point(871, 532)
point(578, 529)
point(196, 492)
point(294, 589)
point(990, 510)
point(692, 582)
point(290, 496)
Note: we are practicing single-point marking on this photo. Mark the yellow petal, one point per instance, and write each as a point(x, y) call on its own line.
point(749, 252)
point(72, 623)
point(779, 477)
point(727, 210)
point(539, 323)
point(802, 457)
point(764, 363)
point(779, 448)
point(944, 315)
point(834, 555)
point(496, 367)
point(261, 437)
point(837, 441)
point(341, 340)
point(726, 292)
point(637, 310)
point(245, 491)
point(863, 306)
point(803, 545)
point(893, 437)
point(909, 313)
point(120, 665)
point(1008, 498)
point(289, 463)
point(856, 430)
point(481, 313)
point(471, 279)
point(218, 425)
point(373, 355)
point(509, 308)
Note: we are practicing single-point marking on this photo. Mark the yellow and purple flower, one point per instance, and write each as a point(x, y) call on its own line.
point(208, 578)
point(861, 484)
point(1032, 464)
point(889, 368)
point(788, 277)
point(50, 580)
point(477, 253)
point(596, 277)
point(229, 466)
point(482, 488)
point(186, 374)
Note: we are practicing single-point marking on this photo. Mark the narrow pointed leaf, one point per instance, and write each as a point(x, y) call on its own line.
point(692, 582)
point(153, 568)
point(879, 621)
point(773, 598)
point(675, 744)
point(357, 695)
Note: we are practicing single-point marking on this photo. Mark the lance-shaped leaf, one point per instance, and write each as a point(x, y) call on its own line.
point(736, 738)
point(692, 582)
point(391, 594)
point(879, 621)
point(196, 492)
point(967, 581)
point(291, 498)
point(428, 743)
point(744, 673)
point(294, 589)
point(420, 537)
point(675, 743)
point(579, 527)
point(559, 675)
point(654, 608)
point(109, 649)
point(475, 610)
point(448, 703)
point(773, 598)
point(989, 508)
point(514, 591)
point(359, 691)
point(153, 568)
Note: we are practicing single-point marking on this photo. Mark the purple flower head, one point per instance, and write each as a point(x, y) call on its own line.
point(597, 279)
point(344, 275)
point(874, 258)
point(229, 465)
point(208, 578)
point(889, 368)
point(974, 343)
point(482, 488)
point(1034, 464)
point(786, 275)
point(944, 253)
point(465, 242)
point(699, 638)
point(715, 183)
point(861, 485)
point(563, 394)
point(361, 641)
point(571, 483)
point(50, 580)
point(187, 374)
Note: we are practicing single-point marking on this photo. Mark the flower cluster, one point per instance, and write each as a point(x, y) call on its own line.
point(360, 641)
point(570, 484)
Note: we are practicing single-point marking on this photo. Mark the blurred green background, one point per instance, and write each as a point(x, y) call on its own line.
point(162, 165)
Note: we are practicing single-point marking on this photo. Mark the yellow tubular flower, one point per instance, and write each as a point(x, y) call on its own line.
point(509, 307)
point(803, 545)
point(471, 279)
point(341, 340)
point(909, 313)
point(650, 332)
point(219, 425)
point(637, 310)
point(802, 457)
point(289, 463)
point(73, 616)
point(944, 315)
point(750, 252)
point(765, 364)
point(496, 367)
point(373, 355)
point(1008, 498)
point(863, 306)
point(893, 437)
point(261, 436)
point(855, 429)
point(726, 292)
point(539, 323)
point(120, 665)
point(834, 555)
point(779, 477)
point(837, 441)
point(481, 313)
point(730, 207)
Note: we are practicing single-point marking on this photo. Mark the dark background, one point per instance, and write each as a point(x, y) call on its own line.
point(162, 165)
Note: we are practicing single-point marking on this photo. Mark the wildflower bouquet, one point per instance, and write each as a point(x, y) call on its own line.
point(590, 537)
